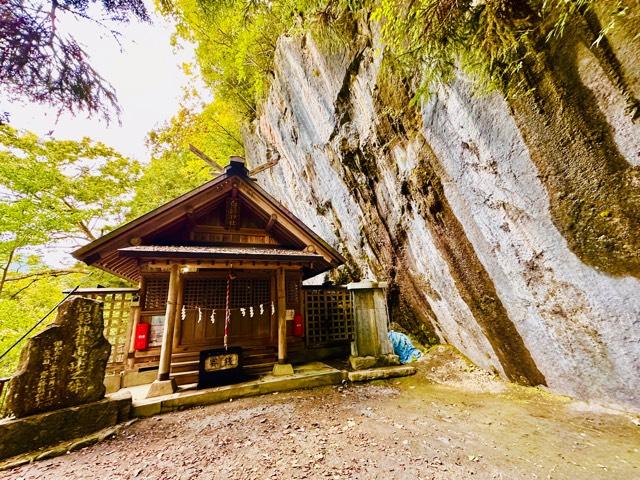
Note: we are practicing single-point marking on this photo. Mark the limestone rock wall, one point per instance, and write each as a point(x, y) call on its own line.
point(509, 229)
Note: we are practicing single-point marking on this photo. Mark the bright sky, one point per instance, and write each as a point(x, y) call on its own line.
point(146, 74)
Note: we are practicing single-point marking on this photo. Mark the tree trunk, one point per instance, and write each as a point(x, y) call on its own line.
point(5, 270)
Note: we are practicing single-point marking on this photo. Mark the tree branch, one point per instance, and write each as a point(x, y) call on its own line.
point(229, 134)
point(90, 236)
point(44, 273)
point(37, 276)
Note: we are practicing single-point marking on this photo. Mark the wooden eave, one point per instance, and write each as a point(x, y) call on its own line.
point(220, 253)
point(103, 252)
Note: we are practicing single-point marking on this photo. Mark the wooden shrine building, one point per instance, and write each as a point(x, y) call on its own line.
point(225, 258)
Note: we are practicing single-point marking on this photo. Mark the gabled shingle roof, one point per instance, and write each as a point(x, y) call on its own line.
point(108, 251)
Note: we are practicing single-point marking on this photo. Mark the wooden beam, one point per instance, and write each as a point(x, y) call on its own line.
point(264, 166)
point(169, 322)
point(272, 221)
point(282, 315)
point(204, 157)
point(161, 266)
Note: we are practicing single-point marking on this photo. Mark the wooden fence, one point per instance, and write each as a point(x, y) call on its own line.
point(328, 315)
point(117, 303)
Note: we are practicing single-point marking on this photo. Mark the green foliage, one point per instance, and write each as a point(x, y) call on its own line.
point(53, 189)
point(235, 44)
point(427, 40)
point(166, 178)
point(24, 301)
point(236, 40)
point(564, 13)
point(174, 169)
point(489, 41)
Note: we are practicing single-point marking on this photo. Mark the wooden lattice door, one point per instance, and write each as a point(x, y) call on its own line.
point(205, 293)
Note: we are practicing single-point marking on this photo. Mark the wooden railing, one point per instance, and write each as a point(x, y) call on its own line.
point(328, 315)
point(117, 313)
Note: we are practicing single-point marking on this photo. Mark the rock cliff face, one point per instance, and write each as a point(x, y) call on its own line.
point(510, 229)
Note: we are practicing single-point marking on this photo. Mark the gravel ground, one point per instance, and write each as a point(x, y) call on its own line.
point(449, 421)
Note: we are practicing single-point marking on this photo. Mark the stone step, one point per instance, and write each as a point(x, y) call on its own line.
point(261, 358)
point(380, 373)
point(183, 378)
point(258, 370)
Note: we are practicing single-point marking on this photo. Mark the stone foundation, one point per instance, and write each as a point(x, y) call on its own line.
point(30, 433)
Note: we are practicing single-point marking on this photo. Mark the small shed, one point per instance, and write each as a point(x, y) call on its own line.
point(221, 266)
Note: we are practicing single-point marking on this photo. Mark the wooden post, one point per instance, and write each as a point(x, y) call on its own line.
point(169, 323)
point(135, 320)
point(165, 385)
point(282, 315)
point(282, 367)
point(178, 315)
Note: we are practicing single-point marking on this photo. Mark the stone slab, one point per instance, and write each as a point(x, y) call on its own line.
point(282, 369)
point(132, 379)
point(162, 387)
point(63, 365)
point(62, 448)
point(20, 435)
point(381, 373)
point(362, 363)
point(275, 384)
point(388, 360)
point(146, 409)
point(112, 383)
point(307, 376)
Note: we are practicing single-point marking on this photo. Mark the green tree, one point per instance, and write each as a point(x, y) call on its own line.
point(29, 295)
point(426, 40)
point(236, 40)
point(174, 169)
point(54, 190)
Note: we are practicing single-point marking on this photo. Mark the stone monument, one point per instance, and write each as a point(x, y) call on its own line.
point(371, 346)
point(64, 365)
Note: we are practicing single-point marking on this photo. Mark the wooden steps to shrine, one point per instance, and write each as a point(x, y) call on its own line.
point(184, 367)
point(258, 361)
point(184, 378)
point(255, 361)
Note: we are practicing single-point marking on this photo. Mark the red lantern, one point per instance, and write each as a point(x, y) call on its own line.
point(298, 325)
point(142, 336)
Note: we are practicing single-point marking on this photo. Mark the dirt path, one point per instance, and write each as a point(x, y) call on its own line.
point(468, 426)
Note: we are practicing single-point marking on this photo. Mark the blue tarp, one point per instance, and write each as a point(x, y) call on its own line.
point(403, 347)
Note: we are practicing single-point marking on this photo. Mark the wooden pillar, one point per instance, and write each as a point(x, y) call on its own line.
point(178, 315)
point(135, 320)
point(169, 323)
point(282, 315)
